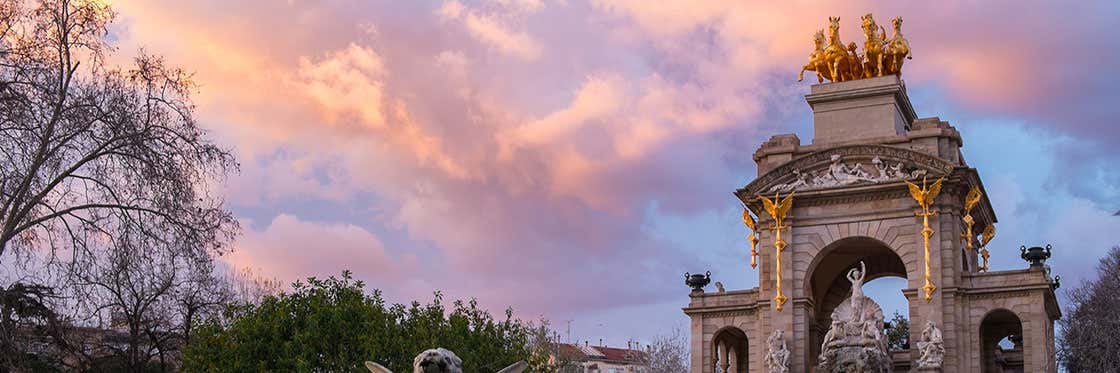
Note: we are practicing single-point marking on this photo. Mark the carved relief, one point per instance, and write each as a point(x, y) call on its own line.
point(827, 169)
point(839, 174)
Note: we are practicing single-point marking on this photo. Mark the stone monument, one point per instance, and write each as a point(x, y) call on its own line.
point(855, 343)
point(880, 185)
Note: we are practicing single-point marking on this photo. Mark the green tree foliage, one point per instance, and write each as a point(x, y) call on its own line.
point(898, 332)
point(334, 325)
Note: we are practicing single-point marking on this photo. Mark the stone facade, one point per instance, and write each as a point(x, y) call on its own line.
point(852, 211)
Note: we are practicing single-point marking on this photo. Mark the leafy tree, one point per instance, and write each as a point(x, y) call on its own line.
point(334, 325)
point(898, 332)
point(1088, 341)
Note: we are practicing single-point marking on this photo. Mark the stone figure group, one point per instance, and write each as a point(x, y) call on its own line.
point(839, 173)
point(441, 360)
point(855, 343)
point(931, 348)
point(777, 353)
point(837, 62)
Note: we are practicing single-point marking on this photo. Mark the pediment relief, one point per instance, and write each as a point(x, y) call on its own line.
point(844, 166)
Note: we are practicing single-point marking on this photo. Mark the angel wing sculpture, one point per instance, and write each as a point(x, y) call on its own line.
point(748, 220)
point(972, 198)
point(989, 232)
point(777, 210)
point(923, 195)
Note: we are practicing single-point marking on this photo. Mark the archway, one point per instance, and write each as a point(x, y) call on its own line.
point(1004, 326)
point(827, 286)
point(729, 351)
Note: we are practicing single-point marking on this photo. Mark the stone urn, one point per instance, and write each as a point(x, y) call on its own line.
point(1035, 255)
point(698, 281)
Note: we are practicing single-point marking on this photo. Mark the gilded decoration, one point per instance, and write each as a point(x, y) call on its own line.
point(778, 210)
point(833, 60)
point(925, 195)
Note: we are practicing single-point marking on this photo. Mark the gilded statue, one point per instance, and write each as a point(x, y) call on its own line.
point(873, 47)
point(749, 221)
point(817, 62)
point(897, 50)
point(778, 210)
point(836, 54)
point(925, 196)
point(985, 237)
point(835, 61)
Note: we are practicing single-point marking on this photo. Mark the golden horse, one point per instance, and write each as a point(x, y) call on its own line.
point(897, 50)
point(836, 54)
point(855, 62)
point(873, 47)
point(817, 62)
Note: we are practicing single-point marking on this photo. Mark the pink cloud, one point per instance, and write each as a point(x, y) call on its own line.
point(549, 153)
point(292, 249)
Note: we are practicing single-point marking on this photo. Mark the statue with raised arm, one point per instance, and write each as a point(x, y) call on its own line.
point(855, 342)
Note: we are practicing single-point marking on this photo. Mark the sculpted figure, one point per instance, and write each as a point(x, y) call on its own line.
point(882, 168)
point(817, 62)
point(855, 62)
point(854, 342)
point(897, 50)
point(777, 355)
point(931, 347)
point(843, 175)
point(719, 287)
point(441, 360)
point(834, 335)
point(836, 54)
point(873, 47)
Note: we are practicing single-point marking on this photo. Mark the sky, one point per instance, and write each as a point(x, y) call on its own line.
point(573, 159)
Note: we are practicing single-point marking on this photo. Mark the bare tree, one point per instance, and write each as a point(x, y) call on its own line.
point(88, 149)
point(667, 353)
point(105, 178)
point(1088, 340)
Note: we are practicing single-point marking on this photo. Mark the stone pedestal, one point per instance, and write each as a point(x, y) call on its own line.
point(859, 109)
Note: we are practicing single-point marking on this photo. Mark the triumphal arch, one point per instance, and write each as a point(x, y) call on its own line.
point(877, 192)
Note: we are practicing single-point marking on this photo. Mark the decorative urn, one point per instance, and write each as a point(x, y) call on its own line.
point(1035, 255)
point(697, 281)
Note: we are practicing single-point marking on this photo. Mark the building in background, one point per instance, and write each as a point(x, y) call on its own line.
point(585, 358)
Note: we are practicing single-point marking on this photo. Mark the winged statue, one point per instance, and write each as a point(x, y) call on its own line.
point(989, 232)
point(749, 220)
point(925, 196)
point(777, 211)
point(972, 198)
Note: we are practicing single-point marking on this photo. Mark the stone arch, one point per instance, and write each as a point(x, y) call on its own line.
point(899, 235)
point(996, 325)
point(730, 351)
point(826, 286)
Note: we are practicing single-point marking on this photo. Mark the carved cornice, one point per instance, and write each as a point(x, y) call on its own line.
point(721, 314)
point(864, 153)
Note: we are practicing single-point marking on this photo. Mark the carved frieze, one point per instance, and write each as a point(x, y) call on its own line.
point(844, 166)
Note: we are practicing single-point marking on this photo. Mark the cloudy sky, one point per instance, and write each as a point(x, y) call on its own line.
point(572, 159)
